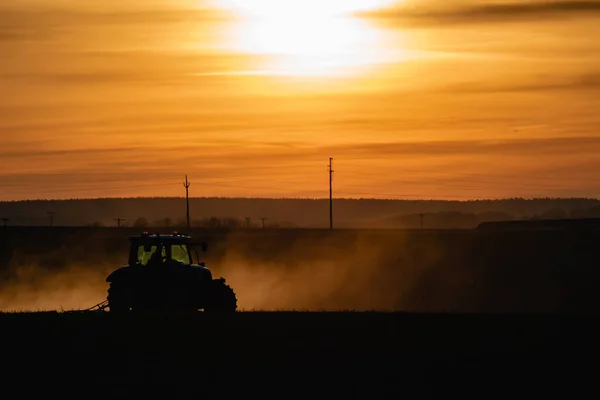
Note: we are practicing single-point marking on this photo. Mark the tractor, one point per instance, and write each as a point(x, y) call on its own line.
point(162, 275)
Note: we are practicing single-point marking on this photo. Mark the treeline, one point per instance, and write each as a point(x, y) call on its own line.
point(207, 223)
point(233, 213)
point(461, 220)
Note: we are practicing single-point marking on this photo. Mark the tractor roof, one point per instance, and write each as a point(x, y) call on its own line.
point(175, 236)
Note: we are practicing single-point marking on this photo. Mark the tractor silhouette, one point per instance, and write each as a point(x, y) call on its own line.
point(162, 275)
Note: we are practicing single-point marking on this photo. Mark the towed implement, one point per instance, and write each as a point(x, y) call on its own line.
point(162, 276)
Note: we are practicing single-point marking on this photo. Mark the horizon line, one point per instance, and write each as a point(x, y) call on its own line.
point(296, 198)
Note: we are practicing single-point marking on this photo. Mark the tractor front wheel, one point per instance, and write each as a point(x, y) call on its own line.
point(221, 298)
point(119, 299)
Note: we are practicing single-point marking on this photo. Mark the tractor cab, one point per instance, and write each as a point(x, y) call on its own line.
point(160, 249)
point(164, 272)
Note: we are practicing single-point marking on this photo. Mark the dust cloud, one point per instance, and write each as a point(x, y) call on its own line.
point(279, 273)
point(313, 285)
point(36, 289)
point(314, 270)
point(327, 274)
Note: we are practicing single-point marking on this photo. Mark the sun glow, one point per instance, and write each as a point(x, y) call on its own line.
point(307, 37)
point(301, 8)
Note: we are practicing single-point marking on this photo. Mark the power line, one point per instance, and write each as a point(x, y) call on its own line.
point(471, 185)
point(421, 215)
point(119, 220)
point(187, 200)
point(474, 187)
point(495, 175)
point(396, 196)
point(454, 183)
point(51, 214)
point(330, 169)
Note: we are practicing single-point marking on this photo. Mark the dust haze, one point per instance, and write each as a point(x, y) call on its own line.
point(34, 288)
point(317, 276)
point(319, 270)
point(320, 273)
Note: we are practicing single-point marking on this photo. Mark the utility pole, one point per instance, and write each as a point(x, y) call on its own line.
point(5, 222)
point(51, 214)
point(248, 222)
point(119, 220)
point(263, 219)
point(330, 193)
point(187, 185)
point(421, 216)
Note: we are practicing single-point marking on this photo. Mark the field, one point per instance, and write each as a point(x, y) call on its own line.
point(286, 354)
point(449, 310)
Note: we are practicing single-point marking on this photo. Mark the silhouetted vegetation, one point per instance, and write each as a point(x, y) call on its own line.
point(231, 213)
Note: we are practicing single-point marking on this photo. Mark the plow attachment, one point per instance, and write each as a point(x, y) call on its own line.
point(98, 307)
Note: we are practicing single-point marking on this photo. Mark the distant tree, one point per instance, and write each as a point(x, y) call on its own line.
point(554, 213)
point(164, 222)
point(593, 212)
point(141, 222)
point(210, 223)
point(287, 225)
point(578, 212)
point(231, 223)
point(410, 221)
point(182, 223)
point(454, 220)
point(492, 216)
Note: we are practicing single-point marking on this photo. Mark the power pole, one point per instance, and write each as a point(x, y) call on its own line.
point(51, 214)
point(5, 222)
point(263, 219)
point(421, 216)
point(330, 193)
point(248, 222)
point(187, 185)
point(119, 220)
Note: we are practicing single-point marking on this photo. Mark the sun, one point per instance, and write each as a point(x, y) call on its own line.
point(301, 8)
point(306, 37)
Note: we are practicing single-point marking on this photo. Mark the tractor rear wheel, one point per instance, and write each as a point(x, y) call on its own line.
point(119, 299)
point(221, 298)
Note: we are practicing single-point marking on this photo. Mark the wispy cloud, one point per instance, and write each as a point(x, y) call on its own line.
point(538, 146)
point(33, 152)
point(579, 83)
point(253, 168)
point(483, 13)
point(30, 24)
point(248, 152)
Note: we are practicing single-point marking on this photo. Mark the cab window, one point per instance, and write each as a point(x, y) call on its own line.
point(144, 256)
point(180, 253)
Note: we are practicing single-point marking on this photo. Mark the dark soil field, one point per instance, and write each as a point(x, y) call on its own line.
point(458, 312)
point(286, 354)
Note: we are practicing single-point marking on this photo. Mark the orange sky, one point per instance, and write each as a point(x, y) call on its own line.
point(414, 99)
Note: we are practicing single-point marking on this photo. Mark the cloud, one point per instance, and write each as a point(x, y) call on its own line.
point(483, 13)
point(29, 24)
point(537, 146)
point(583, 82)
point(300, 151)
point(257, 168)
point(87, 152)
